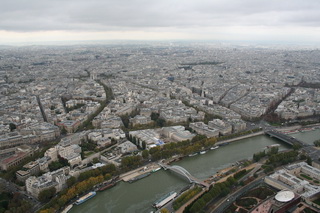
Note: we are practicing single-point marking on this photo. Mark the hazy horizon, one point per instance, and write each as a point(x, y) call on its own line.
point(43, 21)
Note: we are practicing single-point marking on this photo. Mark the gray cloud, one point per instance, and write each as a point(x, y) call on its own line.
point(104, 15)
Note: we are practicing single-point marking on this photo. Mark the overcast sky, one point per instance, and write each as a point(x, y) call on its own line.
point(58, 20)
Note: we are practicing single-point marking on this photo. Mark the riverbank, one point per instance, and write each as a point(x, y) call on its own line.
point(294, 129)
point(139, 171)
point(126, 177)
point(298, 127)
point(249, 167)
point(224, 142)
point(139, 196)
point(240, 137)
point(148, 168)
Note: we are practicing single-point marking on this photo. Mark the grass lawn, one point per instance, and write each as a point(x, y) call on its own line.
point(86, 154)
point(306, 176)
point(317, 201)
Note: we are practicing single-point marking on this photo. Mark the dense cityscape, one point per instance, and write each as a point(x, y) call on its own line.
point(78, 119)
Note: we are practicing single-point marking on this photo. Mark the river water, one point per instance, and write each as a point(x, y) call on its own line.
point(139, 196)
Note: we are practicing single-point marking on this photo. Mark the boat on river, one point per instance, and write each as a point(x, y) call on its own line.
point(202, 152)
point(214, 147)
point(139, 177)
point(107, 186)
point(67, 209)
point(155, 170)
point(193, 154)
point(306, 129)
point(272, 146)
point(224, 144)
point(86, 197)
point(164, 200)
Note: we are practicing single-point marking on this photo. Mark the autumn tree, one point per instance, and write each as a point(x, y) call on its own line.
point(164, 210)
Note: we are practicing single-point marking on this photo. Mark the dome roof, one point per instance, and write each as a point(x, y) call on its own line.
point(284, 196)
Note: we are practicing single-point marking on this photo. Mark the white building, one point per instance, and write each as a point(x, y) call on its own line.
point(203, 129)
point(177, 133)
point(149, 136)
point(140, 120)
point(223, 127)
point(57, 179)
point(288, 179)
point(127, 147)
point(238, 125)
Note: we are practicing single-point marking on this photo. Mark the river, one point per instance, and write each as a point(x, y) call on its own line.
point(139, 196)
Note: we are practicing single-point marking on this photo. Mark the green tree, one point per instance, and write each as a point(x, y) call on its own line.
point(88, 146)
point(134, 140)
point(125, 120)
point(154, 116)
point(317, 143)
point(12, 126)
point(144, 145)
point(258, 156)
point(231, 180)
point(309, 161)
point(196, 207)
point(240, 174)
point(198, 138)
point(63, 131)
point(207, 197)
point(303, 157)
point(154, 150)
point(55, 165)
point(268, 168)
point(47, 194)
point(63, 161)
point(95, 160)
point(160, 122)
point(71, 181)
point(273, 150)
point(107, 176)
point(145, 154)
point(108, 169)
point(131, 162)
point(225, 192)
point(87, 174)
point(296, 146)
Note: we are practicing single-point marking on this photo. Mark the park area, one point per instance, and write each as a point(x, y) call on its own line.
point(250, 200)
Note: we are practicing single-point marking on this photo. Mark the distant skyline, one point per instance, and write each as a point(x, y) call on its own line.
point(34, 21)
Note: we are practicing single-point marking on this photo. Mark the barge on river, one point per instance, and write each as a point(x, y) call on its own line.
point(107, 186)
point(86, 197)
point(164, 200)
point(139, 177)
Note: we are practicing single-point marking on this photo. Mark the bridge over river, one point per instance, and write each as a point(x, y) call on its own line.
point(183, 172)
point(285, 138)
